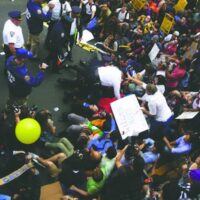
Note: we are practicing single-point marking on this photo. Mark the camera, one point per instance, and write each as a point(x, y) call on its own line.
point(16, 108)
point(33, 108)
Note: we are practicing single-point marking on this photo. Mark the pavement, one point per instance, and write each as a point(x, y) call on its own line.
point(48, 95)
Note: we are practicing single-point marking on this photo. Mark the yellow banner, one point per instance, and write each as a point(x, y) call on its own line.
point(180, 6)
point(138, 4)
point(167, 23)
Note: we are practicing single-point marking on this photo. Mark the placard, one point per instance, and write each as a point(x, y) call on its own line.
point(154, 52)
point(167, 23)
point(129, 117)
point(187, 115)
point(138, 4)
point(180, 6)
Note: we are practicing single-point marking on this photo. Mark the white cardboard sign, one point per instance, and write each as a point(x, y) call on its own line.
point(129, 117)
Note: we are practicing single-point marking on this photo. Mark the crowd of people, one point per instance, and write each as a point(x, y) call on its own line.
point(89, 158)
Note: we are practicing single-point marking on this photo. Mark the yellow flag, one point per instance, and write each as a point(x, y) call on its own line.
point(138, 4)
point(180, 6)
point(167, 23)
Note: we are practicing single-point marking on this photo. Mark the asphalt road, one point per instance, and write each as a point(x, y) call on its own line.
point(48, 95)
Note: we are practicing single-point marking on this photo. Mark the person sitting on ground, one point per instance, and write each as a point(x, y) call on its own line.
point(49, 137)
point(181, 145)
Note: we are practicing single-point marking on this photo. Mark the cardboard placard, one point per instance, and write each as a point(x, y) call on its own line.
point(138, 4)
point(154, 52)
point(180, 6)
point(167, 23)
point(129, 117)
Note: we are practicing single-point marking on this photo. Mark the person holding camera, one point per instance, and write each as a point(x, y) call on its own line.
point(20, 81)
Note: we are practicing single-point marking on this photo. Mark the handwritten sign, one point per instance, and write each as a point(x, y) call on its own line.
point(167, 23)
point(129, 117)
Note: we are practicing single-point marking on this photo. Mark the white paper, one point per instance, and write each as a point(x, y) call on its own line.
point(129, 117)
point(87, 36)
point(187, 115)
point(154, 52)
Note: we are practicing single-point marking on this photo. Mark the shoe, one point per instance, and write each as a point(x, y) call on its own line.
point(33, 155)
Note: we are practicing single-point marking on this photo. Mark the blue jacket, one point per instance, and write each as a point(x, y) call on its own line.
point(35, 17)
point(58, 37)
point(20, 82)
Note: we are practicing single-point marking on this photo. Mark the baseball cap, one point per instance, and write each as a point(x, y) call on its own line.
point(16, 14)
point(76, 9)
point(176, 33)
point(23, 53)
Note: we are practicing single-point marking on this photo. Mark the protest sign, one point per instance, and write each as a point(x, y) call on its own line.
point(129, 117)
point(138, 4)
point(180, 6)
point(154, 52)
point(167, 23)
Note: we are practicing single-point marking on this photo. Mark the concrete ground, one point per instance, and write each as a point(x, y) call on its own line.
point(47, 95)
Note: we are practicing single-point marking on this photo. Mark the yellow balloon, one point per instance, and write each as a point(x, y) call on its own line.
point(28, 131)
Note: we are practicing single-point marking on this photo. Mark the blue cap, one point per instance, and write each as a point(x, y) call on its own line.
point(23, 53)
point(15, 14)
point(107, 58)
point(76, 9)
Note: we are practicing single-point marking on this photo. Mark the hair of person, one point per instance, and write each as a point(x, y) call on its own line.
point(111, 152)
point(171, 191)
point(151, 88)
point(138, 164)
point(98, 175)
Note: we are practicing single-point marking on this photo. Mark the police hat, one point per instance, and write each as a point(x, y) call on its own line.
point(23, 53)
point(15, 14)
point(107, 58)
point(76, 9)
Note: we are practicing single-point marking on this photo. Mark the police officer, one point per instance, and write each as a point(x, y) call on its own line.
point(35, 18)
point(12, 34)
point(61, 8)
point(20, 81)
point(58, 42)
point(76, 27)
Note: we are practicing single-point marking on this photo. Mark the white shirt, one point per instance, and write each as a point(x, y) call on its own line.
point(73, 27)
point(158, 106)
point(122, 16)
point(13, 34)
point(90, 8)
point(57, 9)
point(196, 102)
point(111, 76)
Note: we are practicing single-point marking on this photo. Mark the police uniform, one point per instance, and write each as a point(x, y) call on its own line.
point(76, 27)
point(12, 33)
point(35, 18)
point(61, 8)
point(20, 82)
point(58, 38)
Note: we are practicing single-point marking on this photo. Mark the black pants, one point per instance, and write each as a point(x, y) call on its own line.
point(7, 53)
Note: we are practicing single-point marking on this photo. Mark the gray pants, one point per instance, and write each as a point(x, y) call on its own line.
point(76, 120)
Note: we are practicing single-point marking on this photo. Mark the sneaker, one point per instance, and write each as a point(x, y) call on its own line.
point(33, 155)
